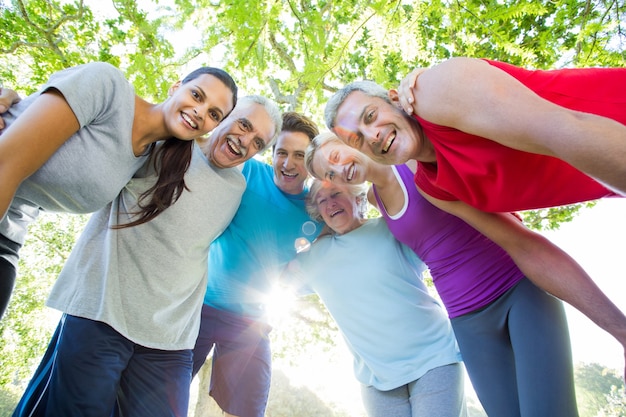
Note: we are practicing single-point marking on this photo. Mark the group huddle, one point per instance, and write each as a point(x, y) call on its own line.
point(189, 233)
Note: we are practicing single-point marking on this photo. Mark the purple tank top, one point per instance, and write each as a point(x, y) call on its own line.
point(468, 269)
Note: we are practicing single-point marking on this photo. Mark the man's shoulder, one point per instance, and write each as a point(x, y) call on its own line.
point(254, 169)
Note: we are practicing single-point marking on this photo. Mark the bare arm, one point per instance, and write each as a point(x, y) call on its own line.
point(30, 141)
point(473, 96)
point(545, 264)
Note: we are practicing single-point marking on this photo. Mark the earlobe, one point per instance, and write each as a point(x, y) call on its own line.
point(173, 88)
point(394, 97)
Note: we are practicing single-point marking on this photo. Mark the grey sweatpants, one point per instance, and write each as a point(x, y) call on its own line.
point(438, 393)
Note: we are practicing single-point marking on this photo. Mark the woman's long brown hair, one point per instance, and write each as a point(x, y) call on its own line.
point(171, 161)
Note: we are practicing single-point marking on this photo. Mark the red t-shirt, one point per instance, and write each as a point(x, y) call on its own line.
point(496, 178)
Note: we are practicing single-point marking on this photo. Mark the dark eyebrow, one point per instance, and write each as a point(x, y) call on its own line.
point(203, 95)
point(245, 124)
point(220, 111)
point(257, 137)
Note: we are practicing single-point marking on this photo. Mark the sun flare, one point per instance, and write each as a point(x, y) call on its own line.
point(280, 303)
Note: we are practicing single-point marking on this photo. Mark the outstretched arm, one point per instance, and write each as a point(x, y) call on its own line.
point(545, 264)
point(470, 95)
point(31, 139)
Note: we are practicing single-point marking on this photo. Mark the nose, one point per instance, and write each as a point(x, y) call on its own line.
point(330, 206)
point(370, 134)
point(245, 139)
point(288, 163)
point(198, 115)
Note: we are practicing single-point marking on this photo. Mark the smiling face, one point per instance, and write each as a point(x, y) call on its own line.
point(336, 162)
point(197, 106)
point(288, 161)
point(244, 133)
point(339, 208)
point(378, 129)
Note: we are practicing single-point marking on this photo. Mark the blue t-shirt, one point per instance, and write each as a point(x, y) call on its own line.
point(246, 260)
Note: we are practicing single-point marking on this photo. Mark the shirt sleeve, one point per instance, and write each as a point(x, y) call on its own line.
point(91, 90)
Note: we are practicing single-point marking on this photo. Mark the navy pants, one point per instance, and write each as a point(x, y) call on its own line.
point(91, 370)
point(242, 361)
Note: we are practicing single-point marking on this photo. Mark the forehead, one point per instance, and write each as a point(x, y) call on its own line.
point(334, 147)
point(292, 141)
point(259, 118)
point(352, 107)
point(326, 190)
point(215, 90)
point(321, 157)
point(319, 165)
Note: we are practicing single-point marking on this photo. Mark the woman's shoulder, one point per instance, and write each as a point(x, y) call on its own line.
point(94, 78)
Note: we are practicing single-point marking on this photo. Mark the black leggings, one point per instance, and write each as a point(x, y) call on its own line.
point(7, 282)
point(8, 250)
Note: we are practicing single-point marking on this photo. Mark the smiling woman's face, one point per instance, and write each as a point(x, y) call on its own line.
point(336, 162)
point(338, 208)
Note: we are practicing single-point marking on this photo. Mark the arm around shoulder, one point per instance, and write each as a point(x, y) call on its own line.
point(475, 97)
point(545, 264)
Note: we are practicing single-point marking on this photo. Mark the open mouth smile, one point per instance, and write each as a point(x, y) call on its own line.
point(350, 172)
point(233, 146)
point(334, 213)
point(189, 120)
point(388, 143)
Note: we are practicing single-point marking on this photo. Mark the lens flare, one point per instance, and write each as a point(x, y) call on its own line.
point(302, 244)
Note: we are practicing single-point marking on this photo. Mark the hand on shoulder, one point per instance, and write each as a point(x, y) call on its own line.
point(8, 98)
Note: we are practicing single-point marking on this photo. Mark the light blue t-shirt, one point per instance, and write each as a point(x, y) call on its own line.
point(246, 260)
point(371, 285)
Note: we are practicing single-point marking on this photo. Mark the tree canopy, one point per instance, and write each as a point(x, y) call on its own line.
point(299, 52)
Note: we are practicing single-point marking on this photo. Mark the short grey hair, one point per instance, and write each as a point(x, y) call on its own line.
point(355, 190)
point(272, 110)
point(317, 142)
point(369, 88)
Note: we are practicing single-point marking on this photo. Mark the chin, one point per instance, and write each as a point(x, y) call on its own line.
point(220, 164)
